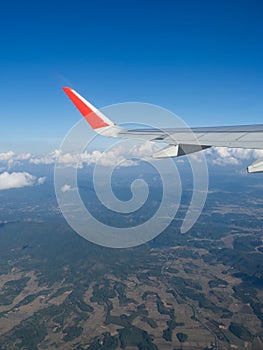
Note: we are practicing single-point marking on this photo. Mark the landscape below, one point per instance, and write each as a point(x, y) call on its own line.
point(199, 290)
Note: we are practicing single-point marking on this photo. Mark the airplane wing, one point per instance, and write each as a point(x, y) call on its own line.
point(180, 141)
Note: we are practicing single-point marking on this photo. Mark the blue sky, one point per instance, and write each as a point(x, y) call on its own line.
point(201, 59)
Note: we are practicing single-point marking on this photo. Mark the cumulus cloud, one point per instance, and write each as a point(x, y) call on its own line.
point(232, 156)
point(66, 188)
point(18, 180)
point(48, 158)
point(11, 158)
point(6, 156)
point(119, 155)
point(41, 180)
point(123, 155)
point(10, 155)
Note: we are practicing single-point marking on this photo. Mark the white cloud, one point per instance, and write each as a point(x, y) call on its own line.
point(66, 188)
point(10, 158)
point(49, 158)
point(6, 156)
point(119, 155)
point(233, 156)
point(18, 180)
point(41, 180)
point(123, 155)
point(23, 156)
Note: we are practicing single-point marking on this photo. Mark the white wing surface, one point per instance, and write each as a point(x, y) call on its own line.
point(180, 141)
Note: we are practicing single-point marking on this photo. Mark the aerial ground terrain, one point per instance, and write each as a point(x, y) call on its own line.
point(199, 290)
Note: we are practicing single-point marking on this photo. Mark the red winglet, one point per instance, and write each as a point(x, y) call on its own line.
point(94, 117)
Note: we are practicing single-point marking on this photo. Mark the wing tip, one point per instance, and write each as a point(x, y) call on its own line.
point(93, 116)
point(66, 89)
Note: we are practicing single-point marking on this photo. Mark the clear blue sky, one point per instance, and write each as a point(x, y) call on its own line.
point(201, 59)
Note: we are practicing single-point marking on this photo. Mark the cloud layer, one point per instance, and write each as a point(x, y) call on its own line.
point(18, 180)
point(124, 155)
point(232, 156)
point(116, 156)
